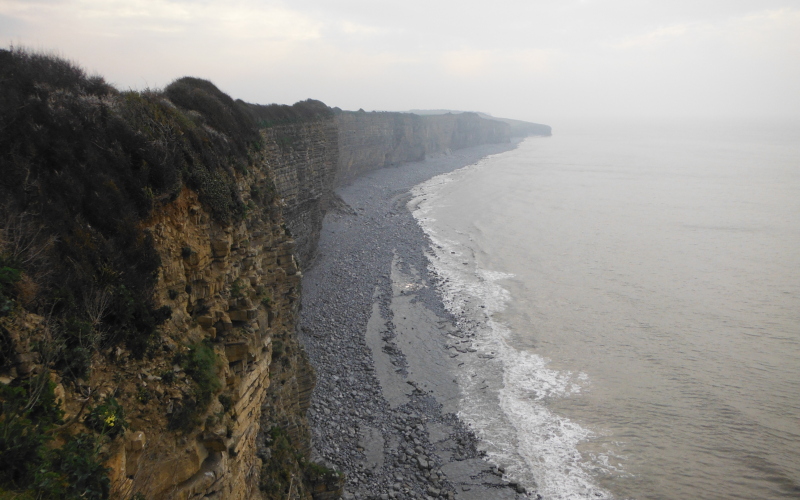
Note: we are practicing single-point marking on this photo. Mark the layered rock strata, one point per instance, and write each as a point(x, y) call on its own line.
point(237, 285)
point(368, 141)
point(303, 158)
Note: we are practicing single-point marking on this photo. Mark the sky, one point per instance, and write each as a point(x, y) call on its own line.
point(539, 60)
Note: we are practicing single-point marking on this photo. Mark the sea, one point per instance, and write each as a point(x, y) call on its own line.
point(631, 291)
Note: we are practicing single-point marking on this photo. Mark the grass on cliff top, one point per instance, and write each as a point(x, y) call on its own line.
point(280, 114)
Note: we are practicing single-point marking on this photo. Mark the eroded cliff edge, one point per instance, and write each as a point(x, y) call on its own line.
point(151, 246)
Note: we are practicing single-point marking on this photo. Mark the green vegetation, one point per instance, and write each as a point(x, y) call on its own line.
point(200, 363)
point(280, 114)
point(79, 340)
point(317, 473)
point(29, 465)
point(107, 418)
point(10, 274)
point(286, 469)
point(237, 289)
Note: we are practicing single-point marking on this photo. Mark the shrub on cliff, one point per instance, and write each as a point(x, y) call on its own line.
point(10, 274)
point(216, 108)
point(280, 114)
point(285, 471)
point(29, 465)
point(201, 363)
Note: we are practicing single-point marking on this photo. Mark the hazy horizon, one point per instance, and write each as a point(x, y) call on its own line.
point(547, 62)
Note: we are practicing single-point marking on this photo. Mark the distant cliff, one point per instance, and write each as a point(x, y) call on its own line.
point(374, 140)
point(149, 279)
point(519, 128)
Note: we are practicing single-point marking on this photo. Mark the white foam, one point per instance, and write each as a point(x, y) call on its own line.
point(505, 390)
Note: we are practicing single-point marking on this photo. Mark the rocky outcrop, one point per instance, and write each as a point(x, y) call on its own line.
point(237, 285)
point(232, 287)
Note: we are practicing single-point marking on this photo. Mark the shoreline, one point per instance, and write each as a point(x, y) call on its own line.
point(376, 331)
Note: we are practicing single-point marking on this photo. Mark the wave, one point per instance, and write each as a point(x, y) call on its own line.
point(504, 390)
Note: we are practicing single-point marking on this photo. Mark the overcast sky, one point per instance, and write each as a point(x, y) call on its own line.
point(538, 60)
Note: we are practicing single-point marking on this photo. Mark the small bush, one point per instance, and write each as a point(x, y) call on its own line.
point(317, 473)
point(200, 363)
point(23, 436)
point(201, 366)
point(168, 377)
point(29, 467)
point(7, 354)
point(276, 472)
point(237, 289)
point(9, 276)
point(107, 418)
point(226, 401)
point(79, 343)
point(76, 472)
point(143, 395)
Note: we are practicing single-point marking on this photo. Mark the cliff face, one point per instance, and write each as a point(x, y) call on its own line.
point(303, 158)
point(237, 285)
point(149, 291)
point(375, 140)
point(368, 141)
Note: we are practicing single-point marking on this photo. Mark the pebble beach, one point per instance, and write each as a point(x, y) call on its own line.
point(384, 411)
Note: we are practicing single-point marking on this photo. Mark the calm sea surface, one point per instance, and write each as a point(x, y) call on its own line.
point(634, 291)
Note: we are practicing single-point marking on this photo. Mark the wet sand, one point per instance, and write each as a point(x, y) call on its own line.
point(385, 350)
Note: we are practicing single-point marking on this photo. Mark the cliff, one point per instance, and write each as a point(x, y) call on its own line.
point(150, 254)
point(148, 294)
point(518, 128)
point(375, 140)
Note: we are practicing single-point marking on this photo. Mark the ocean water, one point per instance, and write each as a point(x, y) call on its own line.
point(633, 292)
